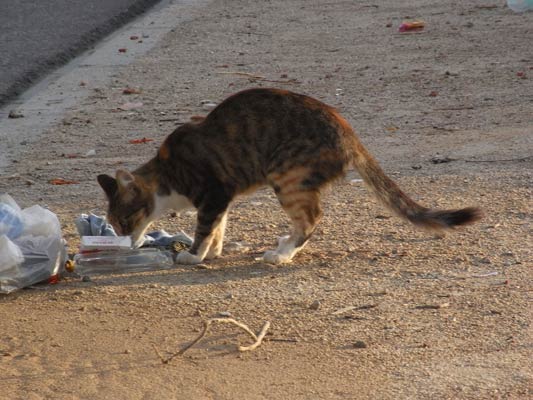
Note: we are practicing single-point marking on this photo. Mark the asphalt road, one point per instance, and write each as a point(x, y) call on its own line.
point(37, 36)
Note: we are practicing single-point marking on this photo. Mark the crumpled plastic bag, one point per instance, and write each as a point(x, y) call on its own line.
point(10, 254)
point(35, 254)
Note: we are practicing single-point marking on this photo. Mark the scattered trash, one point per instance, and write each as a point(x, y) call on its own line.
point(338, 92)
point(94, 225)
point(520, 5)
point(122, 50)
point(521, 74)
point(416, 166)
point(130, 106)
point(411, 26)
point(31, 247)
point(208, 104)
point(129, 90)
point(105, 243)
point(61, 181)
point(15, 114)
point(134, 37)
point(90, 153)
point(139, 141)
point(115, 261)
point(433, 93)
point(356, 181)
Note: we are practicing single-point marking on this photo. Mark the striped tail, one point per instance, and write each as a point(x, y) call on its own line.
point(397, 201)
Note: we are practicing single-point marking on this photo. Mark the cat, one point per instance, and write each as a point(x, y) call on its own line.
point(291, 142)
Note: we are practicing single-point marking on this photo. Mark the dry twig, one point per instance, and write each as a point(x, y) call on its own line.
point(257, 338)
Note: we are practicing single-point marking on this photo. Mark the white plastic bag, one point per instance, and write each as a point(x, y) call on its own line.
point(37, 253)
point(39, 221)
point(10, 254)
point(10, 217)
point(520, 5)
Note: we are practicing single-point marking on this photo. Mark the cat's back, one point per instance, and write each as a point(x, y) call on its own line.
point(268, 102)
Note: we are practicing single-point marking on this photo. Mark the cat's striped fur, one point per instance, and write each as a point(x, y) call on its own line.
point(293, 143)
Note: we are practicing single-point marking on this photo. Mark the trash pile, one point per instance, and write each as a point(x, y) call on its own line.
point(32, 249)
point(102, 251)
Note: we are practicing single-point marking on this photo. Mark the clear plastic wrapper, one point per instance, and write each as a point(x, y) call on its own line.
point(118, 261)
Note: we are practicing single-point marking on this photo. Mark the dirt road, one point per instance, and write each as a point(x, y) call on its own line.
point(372, 309)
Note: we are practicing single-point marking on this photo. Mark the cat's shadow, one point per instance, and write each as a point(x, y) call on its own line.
point(230, 268)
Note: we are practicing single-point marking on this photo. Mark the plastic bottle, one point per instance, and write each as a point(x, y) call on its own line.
point(11, 223)
point(520, 5)
point(117, 261)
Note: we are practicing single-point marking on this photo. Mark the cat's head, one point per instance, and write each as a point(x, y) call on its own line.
point(131, 204)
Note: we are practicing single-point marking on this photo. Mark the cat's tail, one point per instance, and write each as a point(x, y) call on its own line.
point(397, 201)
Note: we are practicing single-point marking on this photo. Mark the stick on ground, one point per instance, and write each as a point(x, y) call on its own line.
point(257, 338)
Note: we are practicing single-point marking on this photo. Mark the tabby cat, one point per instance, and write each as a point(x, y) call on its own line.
point(291, 142)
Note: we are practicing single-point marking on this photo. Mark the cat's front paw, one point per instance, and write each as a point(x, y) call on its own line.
point(272, 257)
point(187, 258)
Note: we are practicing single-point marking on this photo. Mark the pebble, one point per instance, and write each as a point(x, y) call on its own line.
point(86, 278)
point(360, 345)
point(224, 314)
point(315, 305)
point(15, 114)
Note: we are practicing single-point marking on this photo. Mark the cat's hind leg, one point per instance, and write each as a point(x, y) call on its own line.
point(303, 208)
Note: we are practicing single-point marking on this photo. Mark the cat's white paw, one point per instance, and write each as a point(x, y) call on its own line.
point(213, 252)
point(272, 257)
point(187, 258)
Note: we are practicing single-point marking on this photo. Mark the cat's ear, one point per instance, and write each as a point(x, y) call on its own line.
point(109, 184)
point(124, 178)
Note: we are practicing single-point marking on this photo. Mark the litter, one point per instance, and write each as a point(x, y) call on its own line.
point(520, 5)
point(61, 181)
point(411, 26)
point(102, 251)
point(94, 225)
point(139, 141)
point(130, 260)
point(33, 249)
point(130, 106)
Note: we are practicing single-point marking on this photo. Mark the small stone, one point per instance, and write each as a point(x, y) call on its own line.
point(127, 351)
point(315, 305)
point(224, 314)
point(360, 345)
point(15, 114)
point(86, 278)
point(440, 159)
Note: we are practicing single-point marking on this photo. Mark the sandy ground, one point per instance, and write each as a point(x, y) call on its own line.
point(372, 309)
